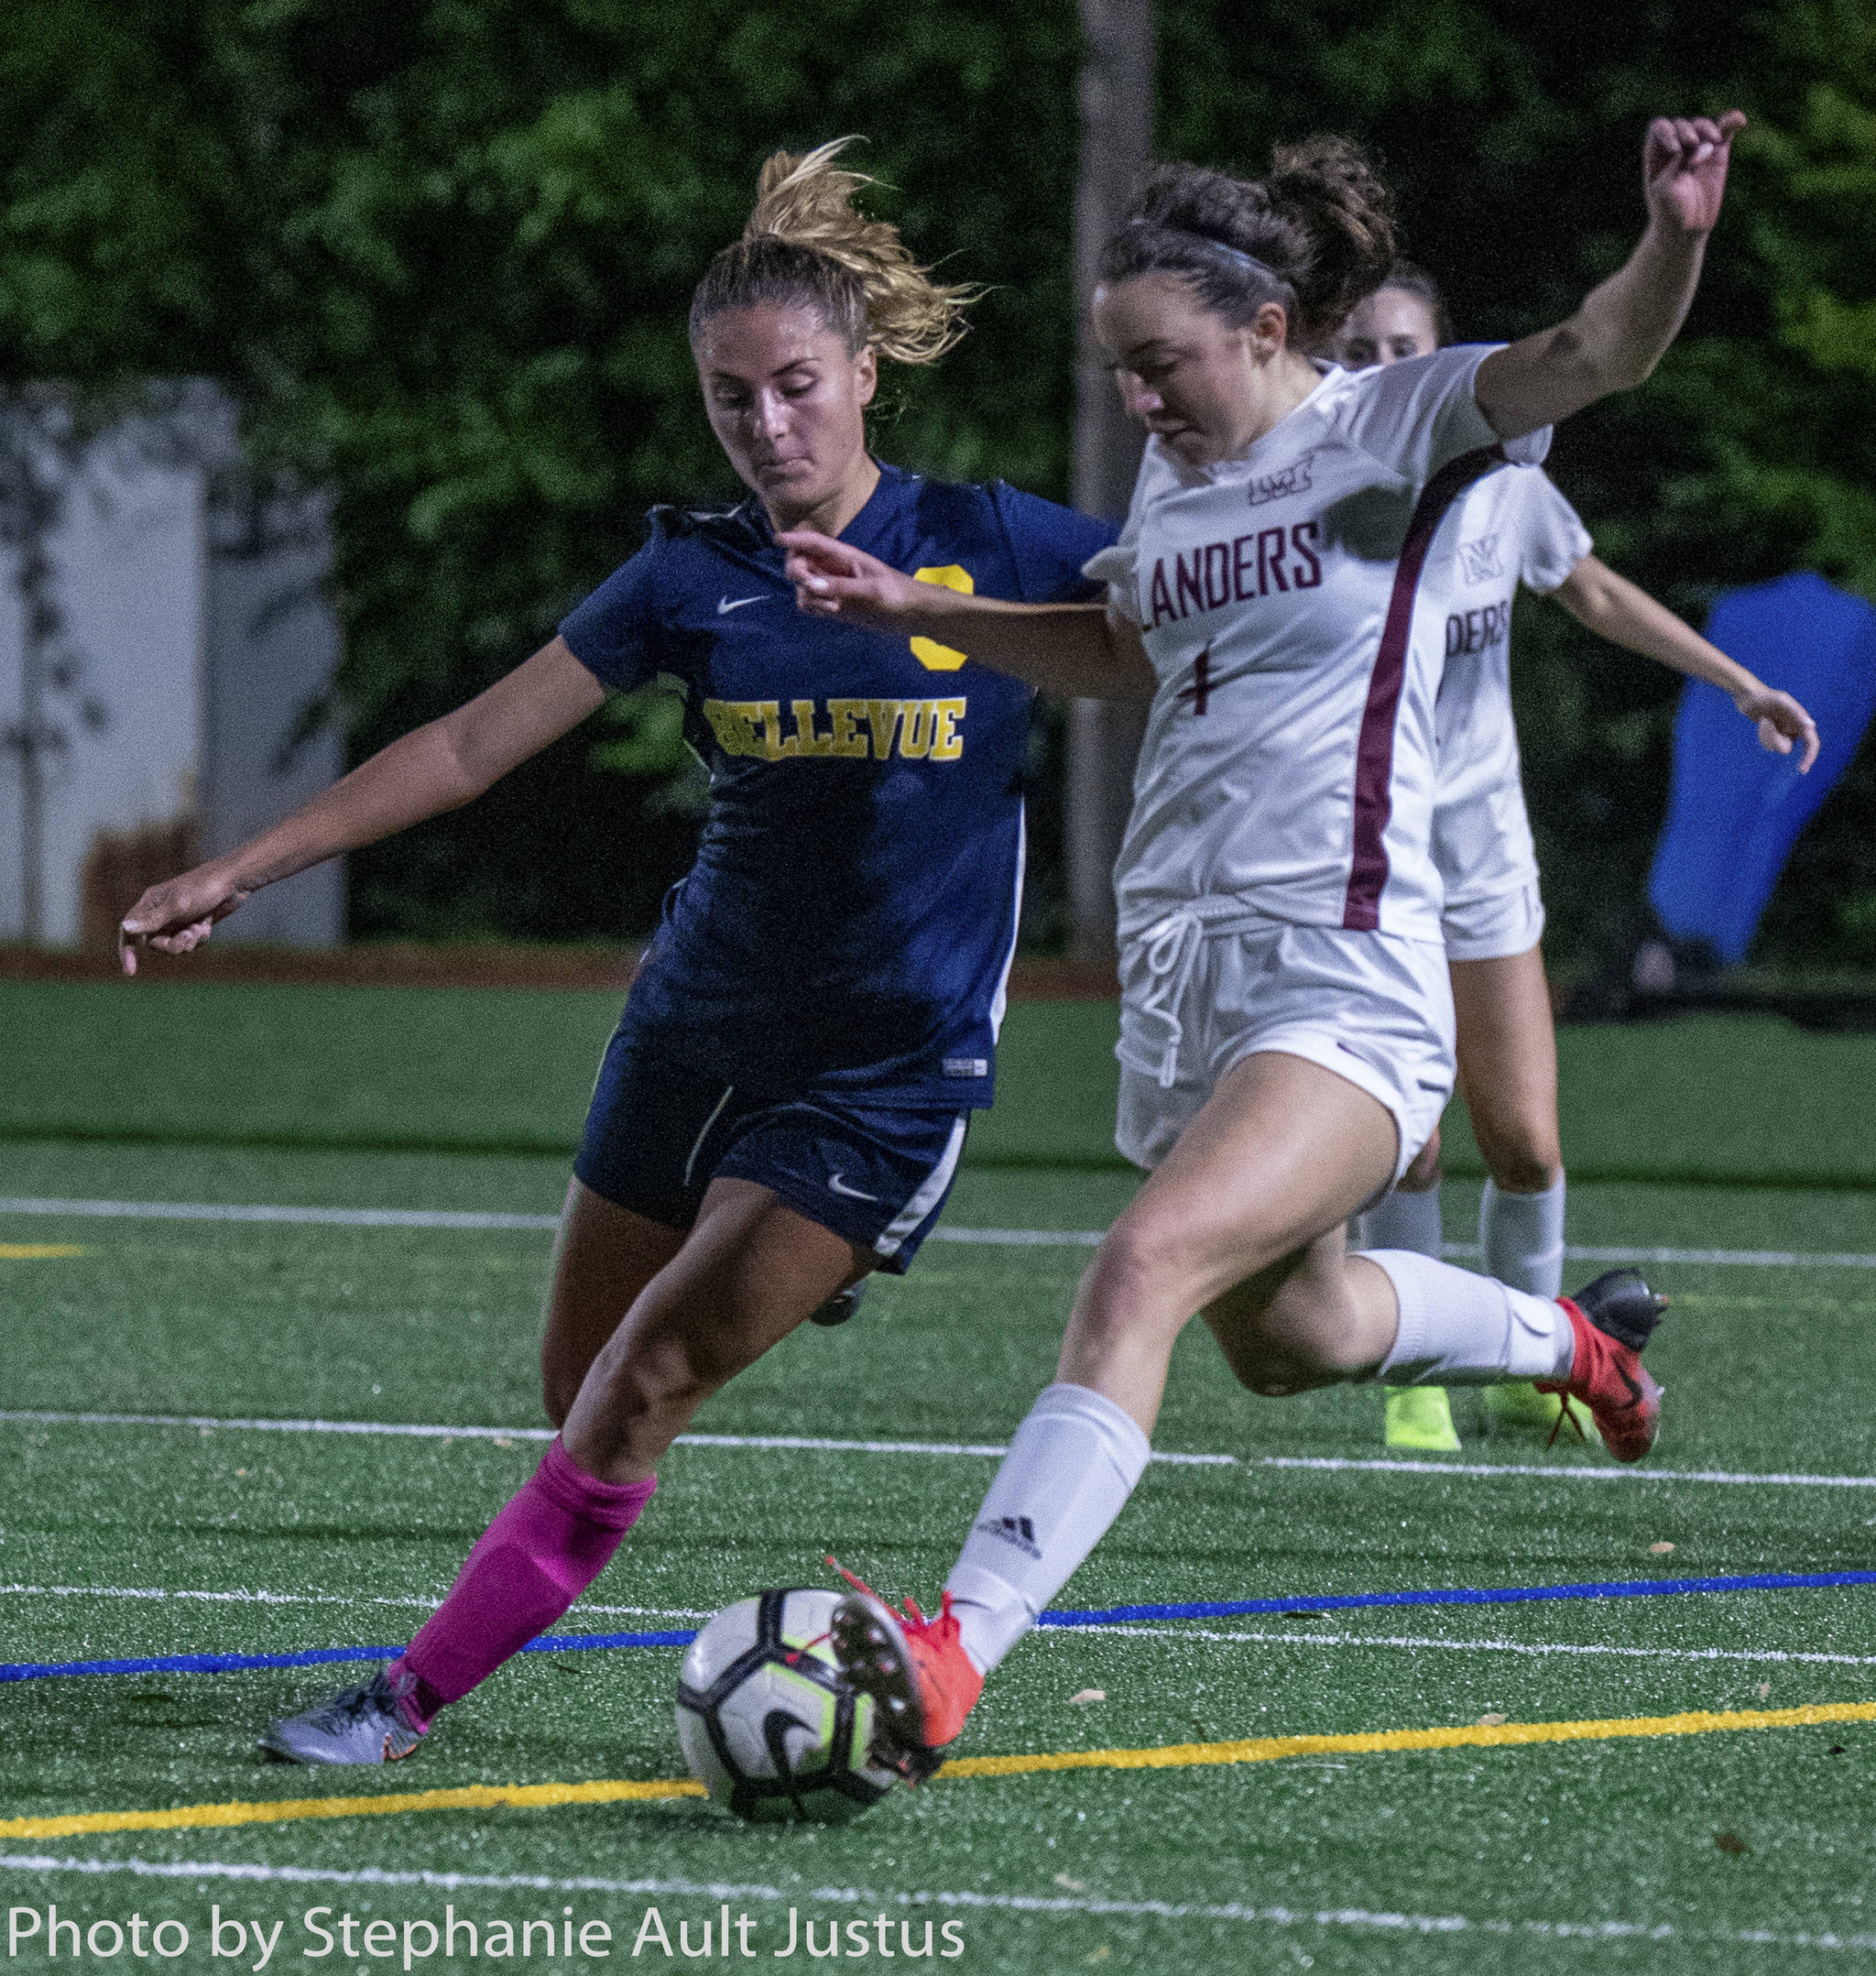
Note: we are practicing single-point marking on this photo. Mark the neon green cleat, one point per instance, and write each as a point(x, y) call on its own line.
point(1419, 1417)
point(1519, 1408)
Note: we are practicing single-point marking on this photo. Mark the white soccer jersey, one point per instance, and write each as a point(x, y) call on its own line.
point(1508, 529)
point(1288, 768)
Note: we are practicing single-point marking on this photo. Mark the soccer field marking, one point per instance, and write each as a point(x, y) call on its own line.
point(992, 1450)
point(37, 1252)
point(1487, 1470)
point(1166, 1756)
point(293, 1810)
point(1416, 1642)
point(304, 1599)
point(1396, 1922)
point(1135, 1631)
point(467, 1218)
point(1103, 1620)
point(341, 1217)
point(501, 1436)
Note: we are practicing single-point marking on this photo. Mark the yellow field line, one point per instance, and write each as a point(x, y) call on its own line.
point(36, 1252)
point(465, 1798)
point(1170, 1756)
point(1366, 1742)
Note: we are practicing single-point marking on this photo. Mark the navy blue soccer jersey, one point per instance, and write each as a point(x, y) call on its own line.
point(850, 920)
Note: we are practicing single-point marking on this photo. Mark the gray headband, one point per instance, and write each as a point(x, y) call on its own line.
point(1249, 262)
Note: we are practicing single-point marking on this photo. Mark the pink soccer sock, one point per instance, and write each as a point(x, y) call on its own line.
point(556, 1535)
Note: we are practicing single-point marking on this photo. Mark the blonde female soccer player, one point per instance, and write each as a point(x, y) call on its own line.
point(1286, 1022)
point(782, 1108)
point(1508, 528)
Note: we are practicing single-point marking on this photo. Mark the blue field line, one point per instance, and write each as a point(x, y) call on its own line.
point(1509, 1595)
point(310, 1656)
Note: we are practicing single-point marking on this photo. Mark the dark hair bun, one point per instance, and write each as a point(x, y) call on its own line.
point(1329, 187)
point(1321, 224)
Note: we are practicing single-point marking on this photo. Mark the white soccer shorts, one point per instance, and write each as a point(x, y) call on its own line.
point(1200, 993)
point(1489, 867)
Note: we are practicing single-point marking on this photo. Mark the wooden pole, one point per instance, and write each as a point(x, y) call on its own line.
point(1116, 96)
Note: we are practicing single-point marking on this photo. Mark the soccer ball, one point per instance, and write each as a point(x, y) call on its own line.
point(769, 1727)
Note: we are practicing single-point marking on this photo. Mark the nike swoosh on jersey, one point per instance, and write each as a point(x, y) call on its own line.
point(853, 1194)
point(725, 606)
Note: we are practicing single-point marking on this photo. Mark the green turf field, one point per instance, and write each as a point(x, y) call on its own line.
point(1722, 1846)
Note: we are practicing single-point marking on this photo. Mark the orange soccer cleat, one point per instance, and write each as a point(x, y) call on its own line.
point(1613, 1319)
point(921, 1680)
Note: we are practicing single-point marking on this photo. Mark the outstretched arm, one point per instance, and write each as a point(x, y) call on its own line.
point(435, 768)
point(1086, 650)
point(1624, 613)
point(1617, 336)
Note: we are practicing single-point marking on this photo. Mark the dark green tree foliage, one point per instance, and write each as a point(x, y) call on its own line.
point(442, 252)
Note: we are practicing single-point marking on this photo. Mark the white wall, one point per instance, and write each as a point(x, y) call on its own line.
point(201, 638)
point(128, 559)
point(272, 644)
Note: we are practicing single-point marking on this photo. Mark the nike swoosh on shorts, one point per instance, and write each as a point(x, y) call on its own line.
point(725, 606)
point(853, 1194)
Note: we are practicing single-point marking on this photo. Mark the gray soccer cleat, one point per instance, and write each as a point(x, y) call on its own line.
point(357, 1725)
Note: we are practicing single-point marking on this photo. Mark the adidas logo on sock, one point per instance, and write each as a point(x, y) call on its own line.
point(1016, 1529)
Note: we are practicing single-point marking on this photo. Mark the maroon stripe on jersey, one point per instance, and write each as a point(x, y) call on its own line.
point(1374, 750)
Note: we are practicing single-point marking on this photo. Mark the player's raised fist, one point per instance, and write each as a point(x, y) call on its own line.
point(1683, 164)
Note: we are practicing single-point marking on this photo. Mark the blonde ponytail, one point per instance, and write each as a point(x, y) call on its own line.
point(808, 242)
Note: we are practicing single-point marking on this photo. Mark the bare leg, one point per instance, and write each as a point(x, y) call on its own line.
point(1508, 1073)
point(743, 1278)
point(1508, 1068)
point(603, 1258)
point(1424, 1170)
point(1280, 1329)
point(1244, 1221)
point(1254, 1194)
point(747, 1273)
point(1282, 1154)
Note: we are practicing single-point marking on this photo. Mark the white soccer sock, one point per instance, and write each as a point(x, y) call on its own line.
point(1402, 1220)
point(1071, 1466)
point(1459, 1329)
point(1522, 1235)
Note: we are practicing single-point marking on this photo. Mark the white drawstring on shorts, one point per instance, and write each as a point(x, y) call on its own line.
point(1173, 947)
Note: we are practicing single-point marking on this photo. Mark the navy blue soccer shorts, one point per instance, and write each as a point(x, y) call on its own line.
point(658, 1132)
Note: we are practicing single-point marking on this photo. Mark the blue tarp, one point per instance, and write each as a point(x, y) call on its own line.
point(1735, 810)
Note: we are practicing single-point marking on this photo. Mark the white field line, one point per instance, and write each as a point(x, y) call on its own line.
point(1416, 1642)
point(307, 1599)
point(1381, 1466)
point(989, 1450)
point(1367, 1920)
point(345, 1217)
point(426, 1218)
point(209, 1423)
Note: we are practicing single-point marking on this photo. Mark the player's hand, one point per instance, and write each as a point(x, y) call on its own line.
point(1784, 724)
point(178, 915)
point(1683, 163)
point(831, 580)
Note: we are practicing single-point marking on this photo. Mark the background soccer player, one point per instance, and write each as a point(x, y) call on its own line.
point(782, 1108)
point(1286, 1019)
point(1511, 527)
